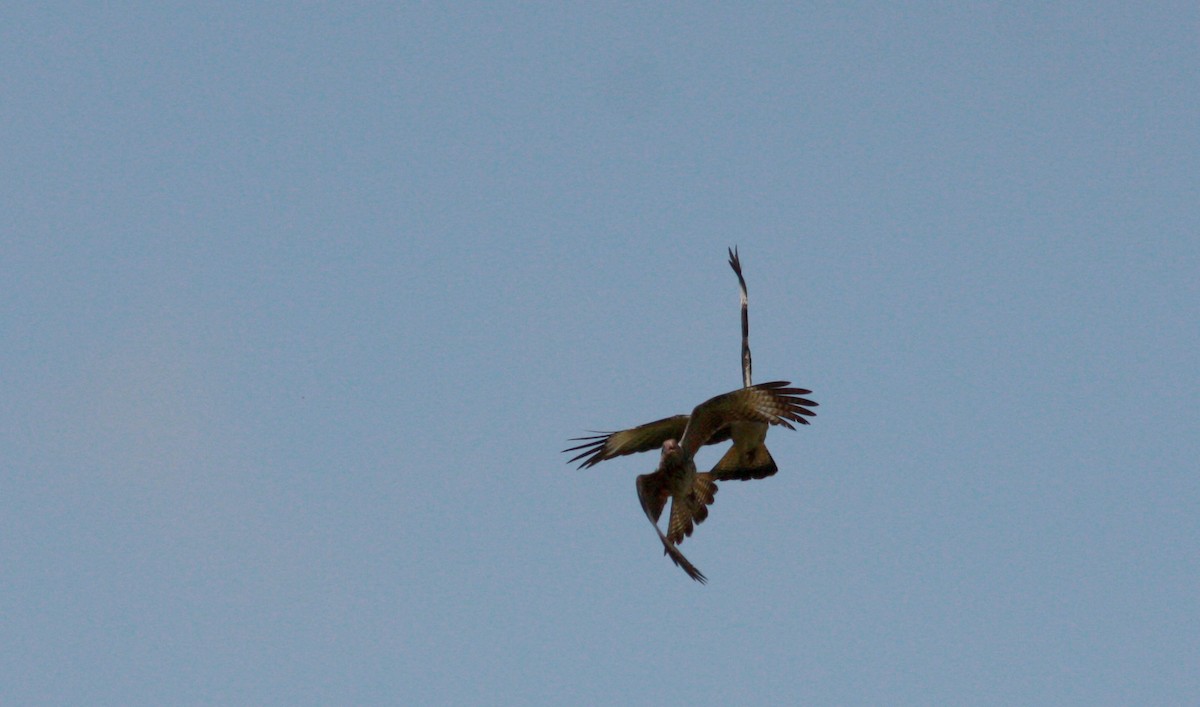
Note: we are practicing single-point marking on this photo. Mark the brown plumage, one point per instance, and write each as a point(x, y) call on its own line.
point(676, 477)
point(643, 438)
point(653, 491)
point(748, 457)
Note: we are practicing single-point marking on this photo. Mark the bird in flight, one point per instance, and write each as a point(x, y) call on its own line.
point(679, 438)
point(746, 459)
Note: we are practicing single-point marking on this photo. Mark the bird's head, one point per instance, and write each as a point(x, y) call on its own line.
point(670, 450)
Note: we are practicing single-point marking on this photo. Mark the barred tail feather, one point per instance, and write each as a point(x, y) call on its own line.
point(692, 509)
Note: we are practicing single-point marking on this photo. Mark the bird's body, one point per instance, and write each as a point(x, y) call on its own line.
point(675, 479)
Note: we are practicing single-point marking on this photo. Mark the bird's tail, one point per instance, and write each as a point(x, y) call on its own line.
point(743, 463)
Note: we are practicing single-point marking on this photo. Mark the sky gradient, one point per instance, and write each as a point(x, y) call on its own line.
point(300, 303)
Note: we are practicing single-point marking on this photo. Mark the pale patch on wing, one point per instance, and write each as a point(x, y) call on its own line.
point(772, 403)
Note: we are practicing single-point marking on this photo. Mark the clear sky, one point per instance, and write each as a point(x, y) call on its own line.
point(301, 301)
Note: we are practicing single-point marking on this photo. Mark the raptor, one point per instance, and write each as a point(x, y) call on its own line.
point(676, 478)
point(747, 458)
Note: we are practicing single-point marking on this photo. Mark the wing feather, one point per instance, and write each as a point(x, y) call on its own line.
point(643, 438)
point(653, 493)
point(774, 403)
point(747, 364)
point(691, 509)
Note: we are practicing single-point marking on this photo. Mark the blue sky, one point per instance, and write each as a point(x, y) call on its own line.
point(300, 303)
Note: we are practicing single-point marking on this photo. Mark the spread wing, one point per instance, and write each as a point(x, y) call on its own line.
point(690, 508)
point(653, 492)
point(773, 403)
point(643, 438)
point(736, 264)
point(748, 457)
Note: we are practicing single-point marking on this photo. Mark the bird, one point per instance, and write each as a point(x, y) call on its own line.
point(676, 478)
point(746, 459)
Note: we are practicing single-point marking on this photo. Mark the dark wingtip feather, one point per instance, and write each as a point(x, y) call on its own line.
point(588, 440)
point(594, 448)
point(771, 385)
point(682, 563)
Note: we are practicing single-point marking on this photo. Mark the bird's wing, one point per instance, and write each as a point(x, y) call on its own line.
point(643, 438)
point(653, 492)
point(773, 403)
point(691, 507)
point(747, 458)
point(736, 264)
